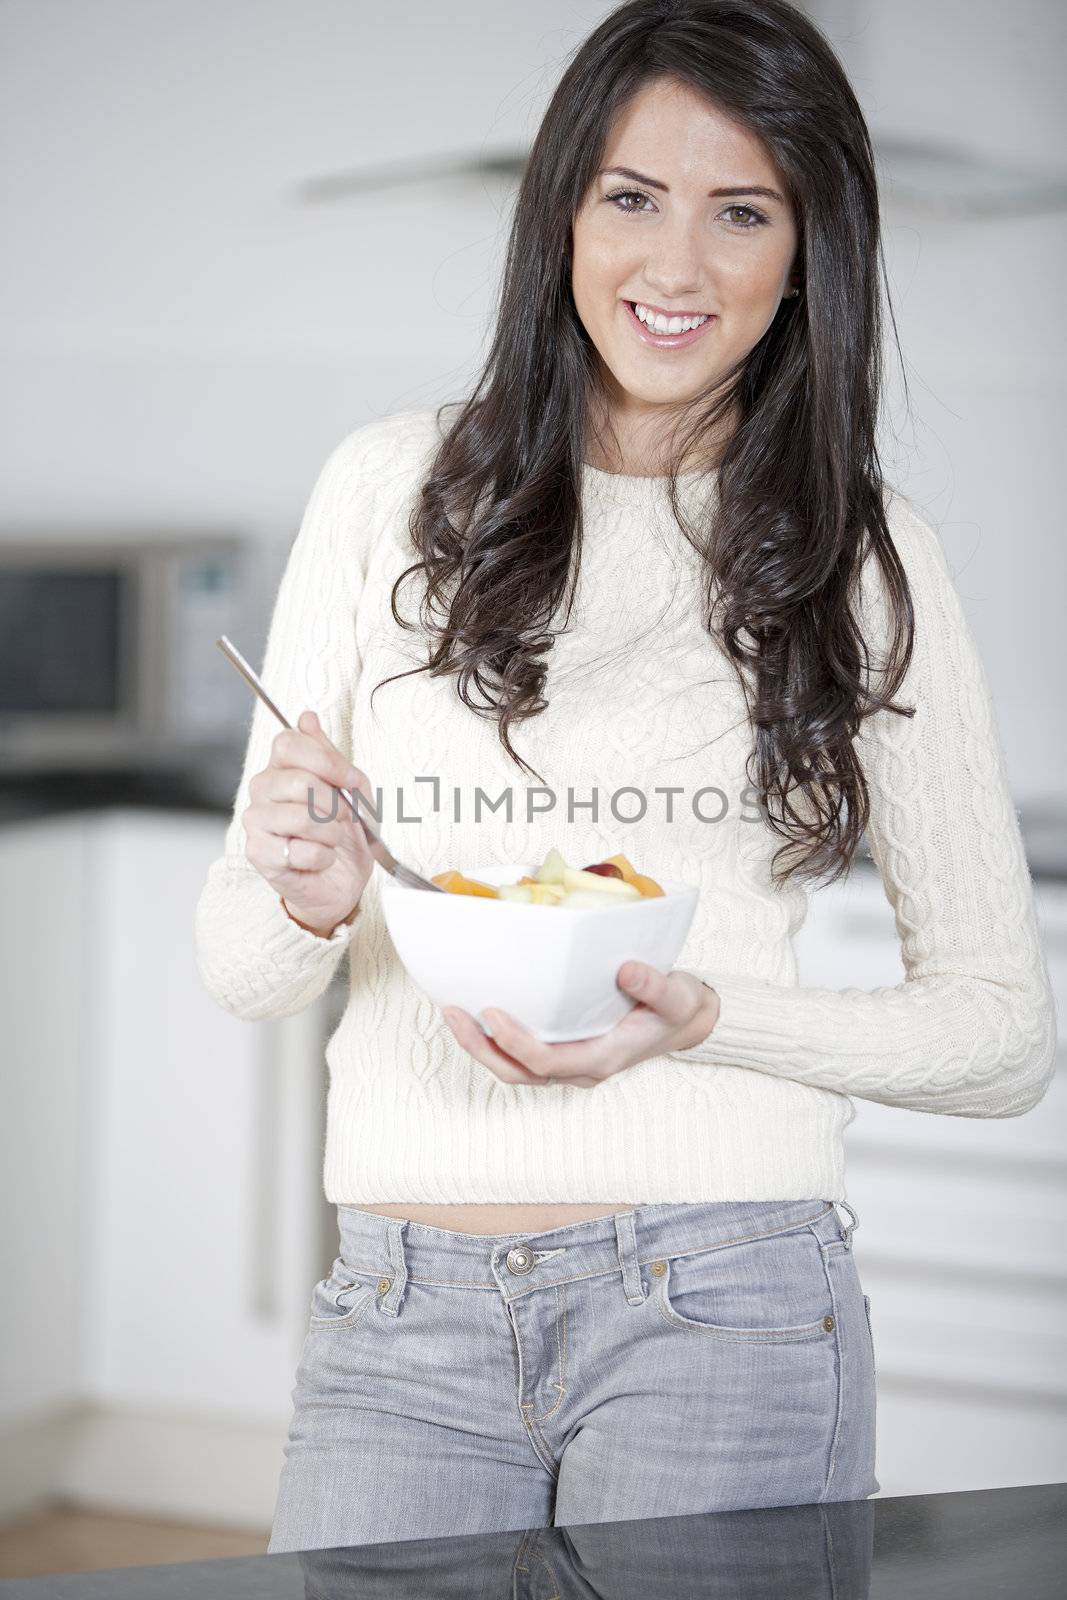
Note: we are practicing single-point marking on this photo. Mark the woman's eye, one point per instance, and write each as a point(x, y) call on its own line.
point(749, 211)
point(627, 194)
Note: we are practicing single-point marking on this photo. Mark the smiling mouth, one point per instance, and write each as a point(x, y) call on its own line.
point(667, 341)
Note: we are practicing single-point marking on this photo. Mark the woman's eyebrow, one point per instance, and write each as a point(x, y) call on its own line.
point(733, 189)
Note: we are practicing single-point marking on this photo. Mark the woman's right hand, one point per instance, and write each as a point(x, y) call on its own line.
point(329, 861)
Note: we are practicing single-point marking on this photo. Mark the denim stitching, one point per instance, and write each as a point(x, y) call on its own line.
point(530, 1421)
point(526, 1406)
point(527, 1553)
point(561, 1350)
point(830, 1563)
point(853, 1225)
point(840, 1382)
point(584, 1277)
point(870, 1330)
point(750, 1238)
point(800, 1333)
point(350, 1318)
point(551, 1464)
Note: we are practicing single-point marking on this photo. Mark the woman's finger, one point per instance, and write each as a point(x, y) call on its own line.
point(661, 992)
point(305, 855)
point(292, 819)
point(483, 1049)
point(584, 1056)
point(312, 751)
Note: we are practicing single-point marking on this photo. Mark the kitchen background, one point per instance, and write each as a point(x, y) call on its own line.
point(197, 305)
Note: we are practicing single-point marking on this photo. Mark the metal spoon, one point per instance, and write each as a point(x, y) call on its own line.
point(378, 848)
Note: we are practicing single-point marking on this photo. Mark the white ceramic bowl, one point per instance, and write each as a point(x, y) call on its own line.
point(550, 967)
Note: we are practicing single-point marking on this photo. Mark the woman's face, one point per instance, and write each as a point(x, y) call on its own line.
point(707, 228)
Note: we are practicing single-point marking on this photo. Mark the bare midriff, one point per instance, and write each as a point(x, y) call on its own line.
point(474, 1218)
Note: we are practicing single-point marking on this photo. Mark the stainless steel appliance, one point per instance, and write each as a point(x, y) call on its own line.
point(107, 653)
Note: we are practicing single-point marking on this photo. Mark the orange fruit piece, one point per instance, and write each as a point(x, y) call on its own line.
point(455, 883)
point(475, 886)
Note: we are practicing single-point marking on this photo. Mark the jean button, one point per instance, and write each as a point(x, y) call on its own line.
point(520, 1259)
point(828, 1324)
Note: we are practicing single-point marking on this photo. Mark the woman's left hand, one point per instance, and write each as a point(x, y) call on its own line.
point(675, 1011)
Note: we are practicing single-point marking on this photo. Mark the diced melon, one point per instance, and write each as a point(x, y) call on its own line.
point(515, 891)
point(547, 894)
point(552, 868)
point(616, 888)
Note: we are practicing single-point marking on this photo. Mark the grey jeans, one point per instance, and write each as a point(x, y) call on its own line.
point(663, 1361)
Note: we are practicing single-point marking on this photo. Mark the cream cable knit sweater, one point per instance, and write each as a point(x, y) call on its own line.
point(640, 700)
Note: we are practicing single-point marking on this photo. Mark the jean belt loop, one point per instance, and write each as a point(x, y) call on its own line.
point(390, 1301)
point(626, 1240)
point(847, 1235)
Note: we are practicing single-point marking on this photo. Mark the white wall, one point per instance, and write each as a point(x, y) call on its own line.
point(183, 337)
point(982, 317)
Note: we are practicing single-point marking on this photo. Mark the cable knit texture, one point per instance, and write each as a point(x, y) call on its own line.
point(640, 698)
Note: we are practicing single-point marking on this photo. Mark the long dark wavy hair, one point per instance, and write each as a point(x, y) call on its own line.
point(497, 521)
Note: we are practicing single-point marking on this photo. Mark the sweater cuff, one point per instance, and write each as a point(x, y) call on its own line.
point(758, 1024)
point(304, 939)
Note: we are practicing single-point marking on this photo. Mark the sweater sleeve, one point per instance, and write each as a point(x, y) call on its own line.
point(252, 957)
point(971, 1031)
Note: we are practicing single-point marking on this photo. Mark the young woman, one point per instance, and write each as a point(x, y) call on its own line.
point(659, 575)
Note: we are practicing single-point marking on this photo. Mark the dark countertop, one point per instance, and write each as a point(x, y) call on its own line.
point(203, 786)
point(973, 1545)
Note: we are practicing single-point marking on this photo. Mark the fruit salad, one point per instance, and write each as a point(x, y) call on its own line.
point(604, 883)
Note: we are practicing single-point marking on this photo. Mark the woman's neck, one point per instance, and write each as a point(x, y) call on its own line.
point(630, 448)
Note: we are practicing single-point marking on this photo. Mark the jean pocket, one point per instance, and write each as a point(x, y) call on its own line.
point(769, 1290)
point(341, 1299)
point(867, 1310)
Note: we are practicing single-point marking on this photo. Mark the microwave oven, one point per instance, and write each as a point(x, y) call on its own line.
point(107, 650)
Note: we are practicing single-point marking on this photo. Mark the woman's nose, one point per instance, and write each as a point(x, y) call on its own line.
point(678, 270)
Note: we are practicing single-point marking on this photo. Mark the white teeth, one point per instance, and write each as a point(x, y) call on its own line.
point(661, 324)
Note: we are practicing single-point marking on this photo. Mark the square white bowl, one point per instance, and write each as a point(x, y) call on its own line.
point(553, 968)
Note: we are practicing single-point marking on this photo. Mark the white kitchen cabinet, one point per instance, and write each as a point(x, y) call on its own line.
point(207, 1150)
point(960, 1243)
point(164, 1169)
point(43, 994)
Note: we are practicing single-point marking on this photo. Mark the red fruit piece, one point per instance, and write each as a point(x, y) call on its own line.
point(604, 869)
